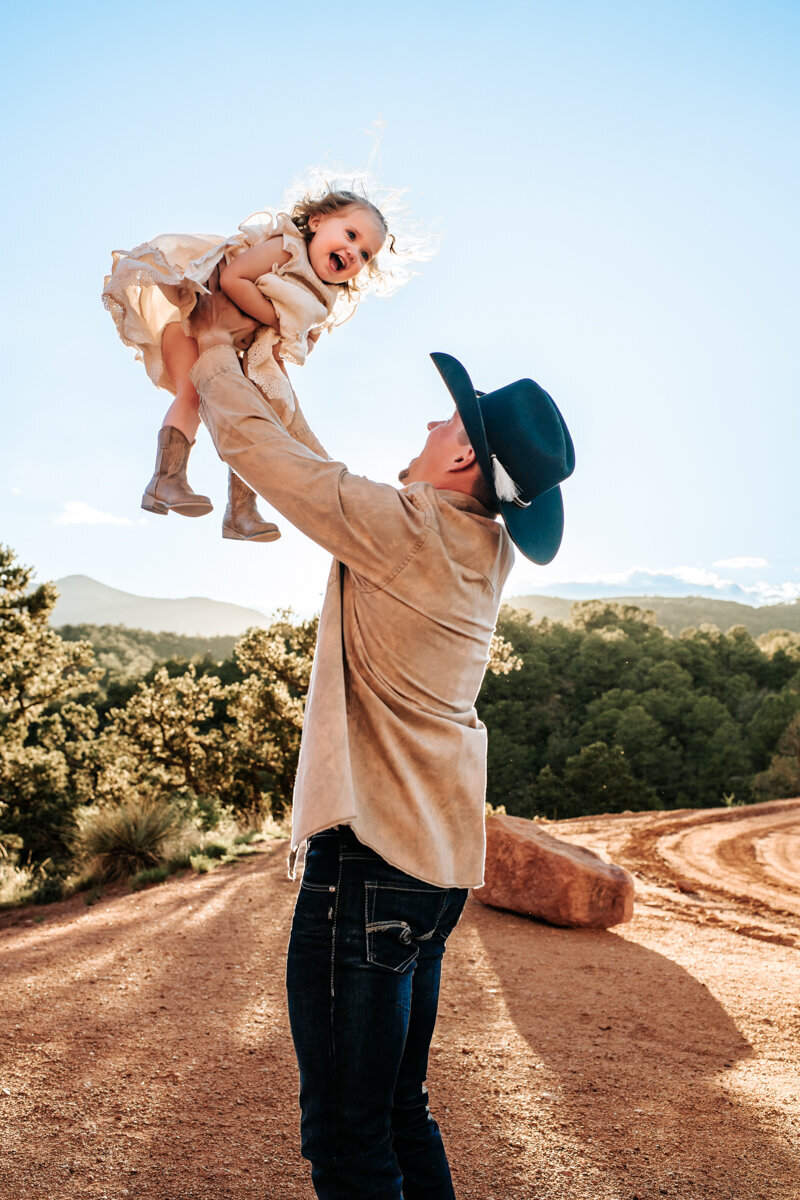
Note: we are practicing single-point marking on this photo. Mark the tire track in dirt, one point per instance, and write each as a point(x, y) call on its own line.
point(722, 865)
point(724, 856)
point(779, 852)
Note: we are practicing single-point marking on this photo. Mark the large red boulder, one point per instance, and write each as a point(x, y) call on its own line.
point(531, 872)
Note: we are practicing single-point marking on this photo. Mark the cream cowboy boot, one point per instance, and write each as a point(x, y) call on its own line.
point(242, 521)
point(168, 490)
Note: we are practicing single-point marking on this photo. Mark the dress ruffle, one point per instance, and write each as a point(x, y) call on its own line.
point(261, 367)
point(158, 283)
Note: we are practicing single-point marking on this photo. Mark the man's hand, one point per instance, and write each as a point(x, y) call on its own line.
point(216, 321)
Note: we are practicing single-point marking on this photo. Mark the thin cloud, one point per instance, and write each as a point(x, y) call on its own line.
point(740, 563)
point(773, 593)
point(673, 581)
point(75, 512)
point(640, 576)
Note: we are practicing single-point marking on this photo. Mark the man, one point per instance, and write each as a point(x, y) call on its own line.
point(391, 781)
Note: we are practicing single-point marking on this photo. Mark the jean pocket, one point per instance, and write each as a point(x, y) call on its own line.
point(397, 920)
point(325, 888)
point(322, 868)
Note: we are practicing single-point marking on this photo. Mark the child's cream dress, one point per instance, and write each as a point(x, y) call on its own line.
point(159, 282)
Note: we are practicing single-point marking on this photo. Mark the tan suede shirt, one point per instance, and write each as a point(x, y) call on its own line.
point(392, 744)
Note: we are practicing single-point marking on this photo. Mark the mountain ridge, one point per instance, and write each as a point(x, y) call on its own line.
point(85, 601)
point(675, 613)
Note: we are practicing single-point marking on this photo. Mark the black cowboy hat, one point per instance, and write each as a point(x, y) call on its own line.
point(523, 448)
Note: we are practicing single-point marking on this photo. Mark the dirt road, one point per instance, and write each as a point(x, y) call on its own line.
point(145, 1053)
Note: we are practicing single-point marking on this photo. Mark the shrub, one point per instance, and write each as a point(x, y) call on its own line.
point(49, 889)
point(149, 875)
point(15, 883)
point(598, 780)
point(781, 780)
point(241, 850)
point(122, 840)
point(181, 858)
point(215, 850)
point(209, 811)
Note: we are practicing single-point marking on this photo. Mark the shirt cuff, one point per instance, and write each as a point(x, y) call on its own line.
point(219, 360)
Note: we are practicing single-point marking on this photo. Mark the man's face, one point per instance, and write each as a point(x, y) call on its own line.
point(446, 442)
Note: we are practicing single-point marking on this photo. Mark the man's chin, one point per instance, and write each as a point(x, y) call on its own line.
point(403, 476)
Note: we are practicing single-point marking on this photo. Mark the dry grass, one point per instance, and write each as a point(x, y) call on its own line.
point(120, 841)
point(15, 883)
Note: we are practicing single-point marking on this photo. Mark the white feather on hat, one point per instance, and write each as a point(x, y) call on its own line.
point(503, 483)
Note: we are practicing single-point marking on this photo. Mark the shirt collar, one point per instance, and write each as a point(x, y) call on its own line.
point(465, 502)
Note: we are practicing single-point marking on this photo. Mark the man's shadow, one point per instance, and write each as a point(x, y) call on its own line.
point(633, 1053)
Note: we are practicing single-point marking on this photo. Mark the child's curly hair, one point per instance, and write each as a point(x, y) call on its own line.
point(337, 200)
point(329, 189)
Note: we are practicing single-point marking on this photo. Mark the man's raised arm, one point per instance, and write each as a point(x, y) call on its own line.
point(368, 526)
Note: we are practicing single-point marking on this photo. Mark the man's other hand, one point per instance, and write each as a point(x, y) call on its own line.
point(216, 321)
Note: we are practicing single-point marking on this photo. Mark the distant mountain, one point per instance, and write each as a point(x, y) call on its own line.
point(681, 612)
point(641, 583)
point(84, 601)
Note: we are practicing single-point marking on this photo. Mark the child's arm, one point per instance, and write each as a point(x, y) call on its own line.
point(237, 280)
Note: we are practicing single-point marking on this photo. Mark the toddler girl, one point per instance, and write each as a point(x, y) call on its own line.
point(293, 274)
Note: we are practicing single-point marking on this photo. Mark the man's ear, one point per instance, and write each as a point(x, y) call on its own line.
point(464, 459)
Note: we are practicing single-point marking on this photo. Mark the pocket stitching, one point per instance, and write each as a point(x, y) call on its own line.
point(371, 889)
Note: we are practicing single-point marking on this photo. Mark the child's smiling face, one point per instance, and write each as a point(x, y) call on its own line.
point(343, 243)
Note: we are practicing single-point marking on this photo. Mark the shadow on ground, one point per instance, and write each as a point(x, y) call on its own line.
point(631, 1049)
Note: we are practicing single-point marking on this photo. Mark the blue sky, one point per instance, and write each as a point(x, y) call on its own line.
point(616, 190)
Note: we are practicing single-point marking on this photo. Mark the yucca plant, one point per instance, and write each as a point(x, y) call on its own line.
point(129, 837)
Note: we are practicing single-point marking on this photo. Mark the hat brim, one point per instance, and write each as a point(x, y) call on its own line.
point(462, 389)
point(536, 529)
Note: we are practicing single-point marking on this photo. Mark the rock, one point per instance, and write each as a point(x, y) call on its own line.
point(531, 872)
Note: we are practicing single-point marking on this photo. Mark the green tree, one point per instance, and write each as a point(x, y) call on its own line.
point(769, 720)
point(164, 740)
point(264, 713)
point(781, 779)
point(45, 715)
point(695, 716)
point(597, 780)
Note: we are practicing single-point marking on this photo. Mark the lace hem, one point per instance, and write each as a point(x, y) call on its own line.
point(264, 372)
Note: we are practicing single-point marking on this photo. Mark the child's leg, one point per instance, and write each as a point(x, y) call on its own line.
point(180, 354)
point(242, 521)
point(169, 489)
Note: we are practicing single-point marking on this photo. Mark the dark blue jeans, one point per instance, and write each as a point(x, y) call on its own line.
point(363, 983)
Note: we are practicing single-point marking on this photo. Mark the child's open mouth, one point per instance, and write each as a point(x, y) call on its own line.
point(337, 262)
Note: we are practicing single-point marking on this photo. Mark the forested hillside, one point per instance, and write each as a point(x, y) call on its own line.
point(609, 712)
point(604, 713)
point(676, 613)
point(127, 654)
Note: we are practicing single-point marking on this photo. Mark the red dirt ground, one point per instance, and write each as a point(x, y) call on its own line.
point(146, 1052)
